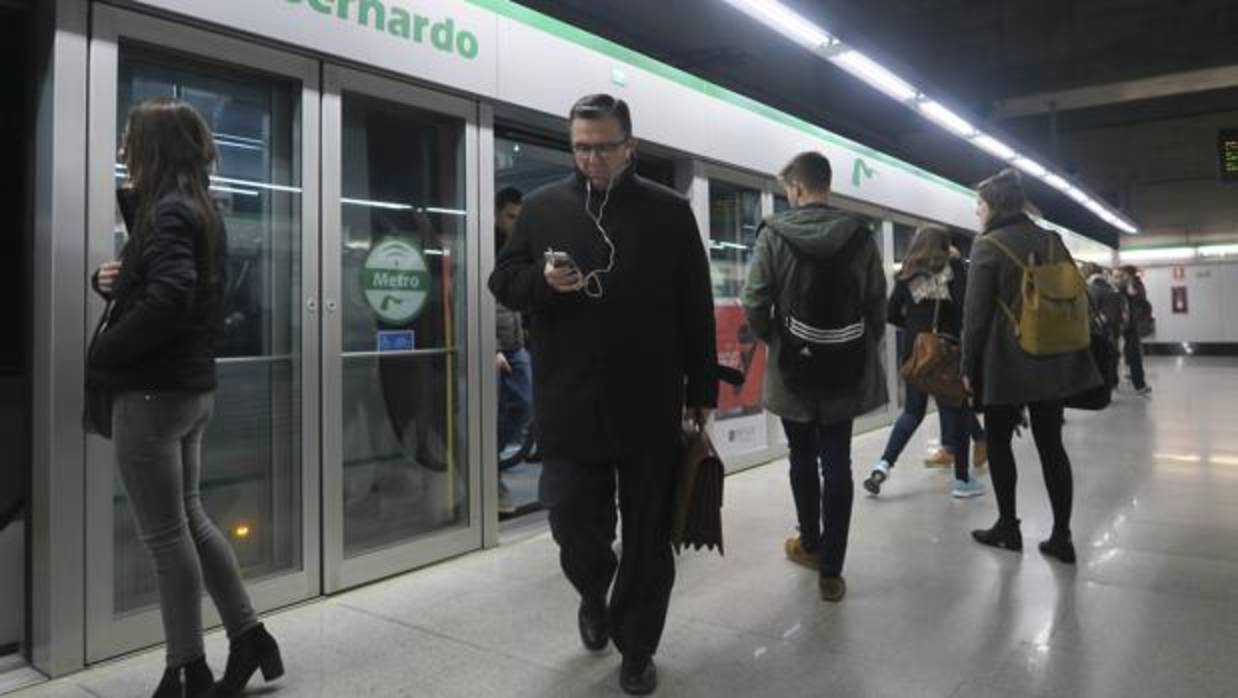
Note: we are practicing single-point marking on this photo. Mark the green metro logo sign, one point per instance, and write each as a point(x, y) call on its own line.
point(396, 281)
point(860, 172)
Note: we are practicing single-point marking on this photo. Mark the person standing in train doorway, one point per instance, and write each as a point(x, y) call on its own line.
point(613, 270)
point(816, 294)
point(156, 358)
point(515, 368)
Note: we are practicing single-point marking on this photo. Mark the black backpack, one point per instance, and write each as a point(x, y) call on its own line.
point(824, 349)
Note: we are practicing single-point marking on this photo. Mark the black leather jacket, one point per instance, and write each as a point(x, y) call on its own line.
point(165, 317)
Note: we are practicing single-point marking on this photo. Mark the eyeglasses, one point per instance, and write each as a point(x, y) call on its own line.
point(584, 150)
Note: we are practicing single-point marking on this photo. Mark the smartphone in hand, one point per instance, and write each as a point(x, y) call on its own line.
point(559, 259)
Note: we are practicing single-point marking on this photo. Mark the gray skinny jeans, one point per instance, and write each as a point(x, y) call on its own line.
point(158, 440)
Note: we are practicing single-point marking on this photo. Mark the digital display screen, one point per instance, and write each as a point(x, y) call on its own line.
point(1227, 151)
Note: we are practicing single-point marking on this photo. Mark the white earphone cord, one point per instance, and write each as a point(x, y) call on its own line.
point(593, 280)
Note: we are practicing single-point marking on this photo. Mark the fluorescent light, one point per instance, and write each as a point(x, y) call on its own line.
point(1057, 182)
point(377, 204)
point(776, 16)
point(941, 116)
point(994, 147)
point(258, 185)
point(1030, 166)
point(234, 137)
point(789, 23)
point(869, 71)
point(1157, 254)
point(233, 190)
point(446, 211)
point(1096, 207)
point(1180, 457)
point(1217, 250)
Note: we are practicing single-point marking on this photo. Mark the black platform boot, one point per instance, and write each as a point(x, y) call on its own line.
point(254, 650)
point(193, 680)
point(1004, 534)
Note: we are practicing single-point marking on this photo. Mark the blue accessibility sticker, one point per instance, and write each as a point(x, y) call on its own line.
point(396, 340)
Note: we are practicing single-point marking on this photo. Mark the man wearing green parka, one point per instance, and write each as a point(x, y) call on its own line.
point(818, 425)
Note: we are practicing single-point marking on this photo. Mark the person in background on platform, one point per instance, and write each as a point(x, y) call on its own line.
point(1108, 301)
point(1003, 378)
point(512, 360)
point(1137, 326)
point(157, 358)
point(928, 296)
point(818, 424)
point(614, 272)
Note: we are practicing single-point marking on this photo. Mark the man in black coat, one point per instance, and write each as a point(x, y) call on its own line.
point(613, 270)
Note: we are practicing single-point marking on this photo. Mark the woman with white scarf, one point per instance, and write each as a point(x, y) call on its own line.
point(931, 284)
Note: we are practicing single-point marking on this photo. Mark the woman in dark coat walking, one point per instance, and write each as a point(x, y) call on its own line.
point(928, 297)
point(1003, 378)
point(157, 359)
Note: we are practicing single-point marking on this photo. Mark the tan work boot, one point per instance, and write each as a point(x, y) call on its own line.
point(833, 589)
point(941, 458)
point(980, 454)
point(794, 549)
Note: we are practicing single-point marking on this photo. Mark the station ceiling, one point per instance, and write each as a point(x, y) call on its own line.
point(1106, 64)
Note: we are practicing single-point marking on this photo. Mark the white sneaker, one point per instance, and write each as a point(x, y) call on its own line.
point(966, 489)
point(506, 506)
point(880, 473)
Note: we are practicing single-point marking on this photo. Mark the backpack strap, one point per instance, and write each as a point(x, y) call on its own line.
point(1004, 249)
point(1014, 320)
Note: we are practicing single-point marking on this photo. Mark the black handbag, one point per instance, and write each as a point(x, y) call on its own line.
point(97, 407)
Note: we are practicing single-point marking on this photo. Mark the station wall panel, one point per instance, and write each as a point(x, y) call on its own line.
point(1211, 311)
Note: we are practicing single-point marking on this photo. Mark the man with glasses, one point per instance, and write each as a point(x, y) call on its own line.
point(613, 271)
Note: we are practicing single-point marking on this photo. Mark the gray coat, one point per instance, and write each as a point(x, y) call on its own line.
point(1000, 371)
point(818, 231)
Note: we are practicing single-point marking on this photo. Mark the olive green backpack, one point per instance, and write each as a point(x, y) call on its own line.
point(1053, 313)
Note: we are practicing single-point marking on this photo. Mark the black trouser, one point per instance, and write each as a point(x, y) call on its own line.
point(1046, 418)
point(580, 497)
point(1132, 346)
point(824, 511)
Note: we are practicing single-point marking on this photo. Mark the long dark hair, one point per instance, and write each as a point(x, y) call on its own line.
point(169, 149)
point(929, 252)
point(1003, 194)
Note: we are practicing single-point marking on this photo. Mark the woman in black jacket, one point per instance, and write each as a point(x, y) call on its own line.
point(928, 294)
point(157, 359)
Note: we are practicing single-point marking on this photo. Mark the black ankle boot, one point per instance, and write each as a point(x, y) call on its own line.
point(170, 686)
point(1059, 546)
point(254, 650)
point(193, 680)
point(1004, 534)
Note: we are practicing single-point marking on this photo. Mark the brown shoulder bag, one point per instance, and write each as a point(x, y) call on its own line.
point(935, 365)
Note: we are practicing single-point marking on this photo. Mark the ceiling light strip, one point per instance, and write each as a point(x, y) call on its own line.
point(795, 27)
